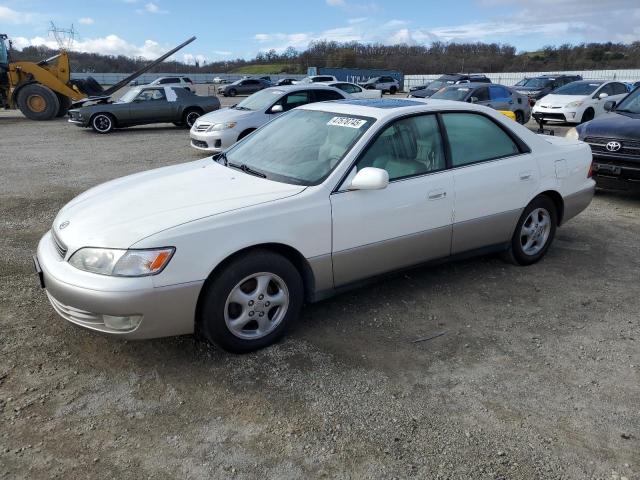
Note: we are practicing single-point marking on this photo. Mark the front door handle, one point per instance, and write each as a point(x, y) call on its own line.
point(524, 176)
point(437, 194)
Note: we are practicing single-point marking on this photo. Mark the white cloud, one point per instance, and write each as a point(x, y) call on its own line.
point(151, 7)
point(222, 53)
point(189, 58)
point(86, 21)
point(109, 45)
point(8, 15)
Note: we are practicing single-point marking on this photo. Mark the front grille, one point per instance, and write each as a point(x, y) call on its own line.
point(199, 143)
point(59, 246)
point(630, 148)
point(201, 127)
point(552, 116)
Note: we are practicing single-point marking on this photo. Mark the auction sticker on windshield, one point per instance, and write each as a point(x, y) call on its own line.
point(346, 122)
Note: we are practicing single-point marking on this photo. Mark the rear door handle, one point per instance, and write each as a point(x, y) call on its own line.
point(524, 176)
point(437, 194)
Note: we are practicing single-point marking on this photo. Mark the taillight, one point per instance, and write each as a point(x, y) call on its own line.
point(590, 172)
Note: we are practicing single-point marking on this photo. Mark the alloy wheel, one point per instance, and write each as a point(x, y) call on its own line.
point(256, 305)
point(535, 231)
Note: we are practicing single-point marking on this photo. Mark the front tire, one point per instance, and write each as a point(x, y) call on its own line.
point(534, 232)
point(38, 102)
point(232, 92)
point(103, 123)
point(252, 302)
point(520, 117)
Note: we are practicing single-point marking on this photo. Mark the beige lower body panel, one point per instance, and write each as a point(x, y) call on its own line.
point(577, 202)
point(484, 232)
point(377, 258)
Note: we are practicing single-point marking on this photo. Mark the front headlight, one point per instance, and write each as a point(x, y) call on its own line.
point(122, 263)
point(572, 134)
point(216, 127)
point(575, 104)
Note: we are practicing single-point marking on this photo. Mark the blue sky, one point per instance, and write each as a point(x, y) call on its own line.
point(150, 27)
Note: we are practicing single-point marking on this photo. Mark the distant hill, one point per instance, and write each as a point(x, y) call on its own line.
point(437, 57)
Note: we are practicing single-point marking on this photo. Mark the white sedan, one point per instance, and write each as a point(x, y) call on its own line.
point(579, 101)
point(316, 201)
point(355, 91)
point(219, 130)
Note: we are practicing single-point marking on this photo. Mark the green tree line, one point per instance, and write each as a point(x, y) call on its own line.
point(435, 58)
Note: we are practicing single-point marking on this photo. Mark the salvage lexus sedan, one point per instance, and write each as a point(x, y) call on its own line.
point(318, 200)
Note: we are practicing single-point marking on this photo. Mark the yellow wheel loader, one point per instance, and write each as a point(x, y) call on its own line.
point(45, 90)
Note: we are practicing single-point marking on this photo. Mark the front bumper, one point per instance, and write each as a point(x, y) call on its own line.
point(616, 172)
point(83, 298)
point(213, 141)
point(557, 114)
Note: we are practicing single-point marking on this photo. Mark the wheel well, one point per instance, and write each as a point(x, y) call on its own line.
point(290, 253)
point(246, 132)
point(557, 200)
point(193, 109)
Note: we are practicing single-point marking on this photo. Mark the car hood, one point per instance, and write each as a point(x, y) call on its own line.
point(121, 212)
point(225, 115)
point(612, 125)
point(561, 100)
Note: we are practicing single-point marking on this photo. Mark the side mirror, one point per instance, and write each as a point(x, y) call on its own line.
point(276, 109)
point(603, 95)
point(370, 178)
point(473, 99)
point(610, 105)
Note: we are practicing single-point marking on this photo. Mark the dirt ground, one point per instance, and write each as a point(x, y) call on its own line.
point(537, 374)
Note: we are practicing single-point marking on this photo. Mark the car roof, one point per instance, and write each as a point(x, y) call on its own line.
point(305, 86)
point(389, 108)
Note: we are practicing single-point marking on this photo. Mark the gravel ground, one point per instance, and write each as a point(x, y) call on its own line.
point(537, 374)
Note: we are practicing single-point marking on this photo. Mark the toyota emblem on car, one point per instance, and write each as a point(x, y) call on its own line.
point(63, 225)
point(614, 146)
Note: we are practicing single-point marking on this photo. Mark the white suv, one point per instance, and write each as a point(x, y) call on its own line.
point(384, 84)
point(184, 82)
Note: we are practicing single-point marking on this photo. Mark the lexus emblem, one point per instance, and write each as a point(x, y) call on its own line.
point(63, 225)
point(613, 146)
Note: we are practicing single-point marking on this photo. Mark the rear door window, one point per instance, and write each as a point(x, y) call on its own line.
point(499, 93)
point(475, 138)
point(325, 95)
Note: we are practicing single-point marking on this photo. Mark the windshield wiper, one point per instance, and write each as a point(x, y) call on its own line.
point(246, 169)
point(624, 110)
point(241, 108)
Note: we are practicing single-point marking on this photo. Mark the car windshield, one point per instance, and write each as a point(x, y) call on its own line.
point(372, 80)
point(300, 147)
point(631, 103)
point(535, 82)
point(522, 82)
point(307, 80)
point(452, 93)
point(260, 100)
point(578, 88)
point(130, 95)
point(438, 84)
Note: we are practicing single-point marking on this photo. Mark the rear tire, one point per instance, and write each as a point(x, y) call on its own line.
point(103, 123)
point(252, 302)
point(534, 232)
point(190, 116)
point(519, 117)
point(65, 103)
point(38, 102)
point(393, 90)
point(232, 92)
